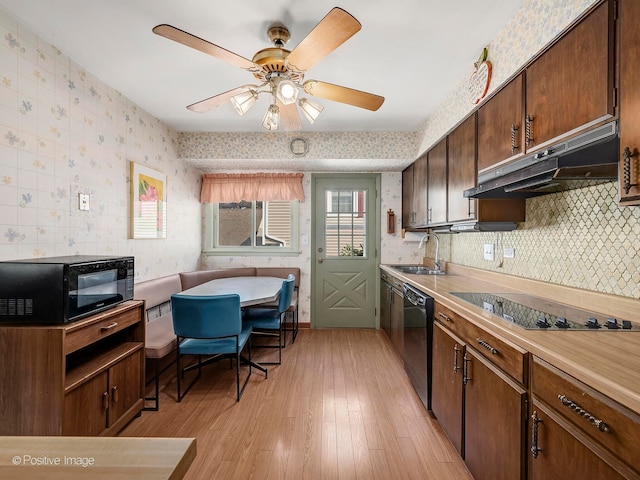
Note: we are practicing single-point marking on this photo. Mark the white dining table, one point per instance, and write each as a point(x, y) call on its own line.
point(252, 290)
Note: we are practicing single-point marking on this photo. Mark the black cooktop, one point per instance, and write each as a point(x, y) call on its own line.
point(537, 313)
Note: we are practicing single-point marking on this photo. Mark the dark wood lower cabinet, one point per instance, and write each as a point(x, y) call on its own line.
point(447, 397)
point(481, 409)
point(495, 410)
point(562, 452)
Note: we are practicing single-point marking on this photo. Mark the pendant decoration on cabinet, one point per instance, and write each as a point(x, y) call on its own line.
point(480, 78)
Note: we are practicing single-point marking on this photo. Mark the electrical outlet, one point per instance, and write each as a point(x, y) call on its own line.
point(509, 252)
point(488, 251)
point(83, 201)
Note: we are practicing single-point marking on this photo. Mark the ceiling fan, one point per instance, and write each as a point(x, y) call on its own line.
point(281, 71)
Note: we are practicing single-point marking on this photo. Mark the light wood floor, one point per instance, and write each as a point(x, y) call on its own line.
point(339, 407)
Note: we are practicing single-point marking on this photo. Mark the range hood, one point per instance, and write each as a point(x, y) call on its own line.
point(581, 161)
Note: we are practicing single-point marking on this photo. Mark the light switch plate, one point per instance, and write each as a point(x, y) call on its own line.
point(509, 252)
point(488, 251)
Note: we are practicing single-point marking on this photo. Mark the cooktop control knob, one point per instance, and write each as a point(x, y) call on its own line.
point(612, 324)
point(542, 322)
point(592, 323)
point(562, 323)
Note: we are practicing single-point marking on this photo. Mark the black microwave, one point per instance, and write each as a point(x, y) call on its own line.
point(54, 290)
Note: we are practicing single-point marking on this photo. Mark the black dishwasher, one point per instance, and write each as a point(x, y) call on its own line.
point(418, 334)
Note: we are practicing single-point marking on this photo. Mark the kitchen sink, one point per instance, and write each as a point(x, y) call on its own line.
point(417, 270)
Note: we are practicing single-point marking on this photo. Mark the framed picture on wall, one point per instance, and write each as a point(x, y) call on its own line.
point(148, 203)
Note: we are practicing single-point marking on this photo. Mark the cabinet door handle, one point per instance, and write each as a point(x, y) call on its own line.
point(535, 449)
point(429, 217)
point(456, 350)
point(105, 400)
point(626, 170)
point(111, 326)
point(599, 424)
point(442, 315)
point(487, 346)
point(528, 130)
point(114, 394)
point(465, 369)
point(514, 139)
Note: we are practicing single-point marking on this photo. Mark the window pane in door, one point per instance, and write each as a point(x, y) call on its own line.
point(345, 222)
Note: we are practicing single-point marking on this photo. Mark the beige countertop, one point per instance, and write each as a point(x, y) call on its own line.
point(108, 458)
point(608, 361)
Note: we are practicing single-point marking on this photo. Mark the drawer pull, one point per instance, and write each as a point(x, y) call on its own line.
point(487, 346)
point(535, 449)
point(111, 326)
point(442, 315)
point(599, 424)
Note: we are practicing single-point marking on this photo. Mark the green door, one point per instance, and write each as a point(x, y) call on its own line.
point(345, 251)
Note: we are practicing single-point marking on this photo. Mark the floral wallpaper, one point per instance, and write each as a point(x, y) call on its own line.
point(64, 132)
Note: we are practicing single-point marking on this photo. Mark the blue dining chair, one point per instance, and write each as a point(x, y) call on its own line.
point(211, 326)
point(269, 322)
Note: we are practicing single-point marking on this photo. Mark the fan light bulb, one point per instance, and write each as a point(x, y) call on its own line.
point(271, 118)
point(310, 109)
point(286, 91)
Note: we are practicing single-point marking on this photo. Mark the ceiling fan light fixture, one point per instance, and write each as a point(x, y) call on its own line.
point(271, 118)
point(286, 91)
point(310, 109)
point(243, 101)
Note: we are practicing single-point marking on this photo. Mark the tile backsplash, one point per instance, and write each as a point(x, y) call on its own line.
point(580, 238)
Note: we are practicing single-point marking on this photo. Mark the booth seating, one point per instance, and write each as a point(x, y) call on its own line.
point(160, 338)
point(193, 279)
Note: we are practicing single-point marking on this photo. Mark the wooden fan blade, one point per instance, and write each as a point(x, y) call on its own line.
point(340, 94)
point(333, 30)
point(289, 117)
point(215, 101)
point(185, 38)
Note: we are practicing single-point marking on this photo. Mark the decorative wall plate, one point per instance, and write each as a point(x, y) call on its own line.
point(299, 146)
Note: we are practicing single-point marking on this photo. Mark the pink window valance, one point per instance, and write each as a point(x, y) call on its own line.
point(236, 187)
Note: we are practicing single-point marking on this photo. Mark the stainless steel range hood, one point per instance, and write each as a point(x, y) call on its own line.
point(581, 161)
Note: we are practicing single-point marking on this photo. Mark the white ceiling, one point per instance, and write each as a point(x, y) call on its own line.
point(412, 52)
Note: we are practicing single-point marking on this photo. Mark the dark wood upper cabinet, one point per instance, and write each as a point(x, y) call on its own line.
point(408, 213)
point(420, 190)
point(571, 85)
point(437, 184)
point(565, 90)
point(462, 170)
point(500, 125)
point(629, 34)
point(414, 194)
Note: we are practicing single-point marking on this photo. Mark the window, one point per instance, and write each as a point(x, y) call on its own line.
point(252, 228)
point(345, 223)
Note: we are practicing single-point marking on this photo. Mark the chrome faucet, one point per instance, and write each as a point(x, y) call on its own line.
point(436, 261)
